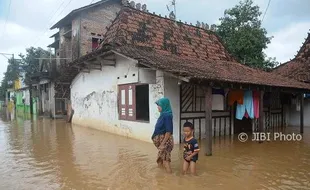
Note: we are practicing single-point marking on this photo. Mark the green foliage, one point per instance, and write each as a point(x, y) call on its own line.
point(12, 73)
point(241, 32)
point(28, 65)
point(30, 62)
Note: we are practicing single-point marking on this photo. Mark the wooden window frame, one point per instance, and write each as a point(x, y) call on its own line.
point(127, 111)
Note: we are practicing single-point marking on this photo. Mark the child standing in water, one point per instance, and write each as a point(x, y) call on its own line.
point(191, 149)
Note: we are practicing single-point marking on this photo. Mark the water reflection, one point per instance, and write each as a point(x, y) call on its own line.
point(39, 153)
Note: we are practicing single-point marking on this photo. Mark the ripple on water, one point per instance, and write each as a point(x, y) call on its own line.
point(54, 156)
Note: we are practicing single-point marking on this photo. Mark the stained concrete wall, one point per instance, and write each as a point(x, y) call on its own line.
point(94, 100)
point(172, 91)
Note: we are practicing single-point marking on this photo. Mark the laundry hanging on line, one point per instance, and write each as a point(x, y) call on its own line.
point(246, 107)
point(250, 106)
point(235, 96)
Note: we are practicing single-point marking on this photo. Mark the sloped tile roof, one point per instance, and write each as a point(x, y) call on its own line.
point(299, 67)
point(142, 29)
point(225, 71)
point(181, 49)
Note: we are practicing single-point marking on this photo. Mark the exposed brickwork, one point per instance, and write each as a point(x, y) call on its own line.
point(96, 21)
point(75, 38)
point(64, 45)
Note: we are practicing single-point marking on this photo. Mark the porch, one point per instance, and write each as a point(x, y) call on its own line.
point(219, 119)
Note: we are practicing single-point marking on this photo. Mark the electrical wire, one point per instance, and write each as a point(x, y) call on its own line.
point(7, 17)
point(266, 10)
point(56, 17)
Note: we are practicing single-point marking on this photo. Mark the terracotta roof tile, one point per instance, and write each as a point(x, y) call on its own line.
point(299, 67)
point(180, 49)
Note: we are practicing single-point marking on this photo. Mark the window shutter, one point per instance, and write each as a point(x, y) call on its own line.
point(123, 110)
point(131, 102)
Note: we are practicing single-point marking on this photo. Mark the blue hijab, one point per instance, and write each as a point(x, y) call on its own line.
point(164, 103)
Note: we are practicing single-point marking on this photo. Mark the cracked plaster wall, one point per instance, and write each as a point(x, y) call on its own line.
point(94, 100)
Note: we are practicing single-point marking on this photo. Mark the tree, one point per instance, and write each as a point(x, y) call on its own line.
point(31, 63)
point(12, 73)
point(241, 32)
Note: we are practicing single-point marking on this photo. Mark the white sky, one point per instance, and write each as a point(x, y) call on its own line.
point(29, 21)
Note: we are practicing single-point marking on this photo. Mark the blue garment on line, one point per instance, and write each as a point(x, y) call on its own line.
point(246, 106)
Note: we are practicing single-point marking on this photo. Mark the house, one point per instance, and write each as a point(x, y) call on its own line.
point(42, 87)
point(144, 57)
point(19, 96)
point(298, 69)
point(78, 33)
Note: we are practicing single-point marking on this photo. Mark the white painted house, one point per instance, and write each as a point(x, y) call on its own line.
point(94, 98)
point(145, 57)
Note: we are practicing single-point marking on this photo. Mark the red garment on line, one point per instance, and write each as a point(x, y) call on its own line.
point(256, 97)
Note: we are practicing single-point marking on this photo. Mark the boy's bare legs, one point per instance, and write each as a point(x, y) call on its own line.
point(167, 166)
point(193, 168)
point(185, 167)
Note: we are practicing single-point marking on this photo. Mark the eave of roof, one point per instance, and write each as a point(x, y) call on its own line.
point(55, 35)
point(190, 63)
point(75, 12)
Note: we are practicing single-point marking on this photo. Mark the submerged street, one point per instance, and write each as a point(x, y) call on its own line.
point(51, 154)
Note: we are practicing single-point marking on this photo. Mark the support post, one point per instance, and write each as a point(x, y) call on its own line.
point(208, 118)
point(261, 113)
point(31, 102)
point(282, 117)
point(301, 113)
point(269, 116)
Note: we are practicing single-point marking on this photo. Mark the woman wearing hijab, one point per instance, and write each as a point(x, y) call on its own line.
point(162, 136)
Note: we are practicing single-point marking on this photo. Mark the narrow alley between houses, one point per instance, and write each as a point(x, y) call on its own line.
point(52, 154)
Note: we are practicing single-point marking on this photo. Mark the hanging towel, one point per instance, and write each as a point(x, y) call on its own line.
point(240, 111)
point(235, 95)
point(248, 102)
point(256, 97)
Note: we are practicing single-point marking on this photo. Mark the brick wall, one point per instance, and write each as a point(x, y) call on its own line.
point(65, 48)
point(75, 37)
point(95, 21)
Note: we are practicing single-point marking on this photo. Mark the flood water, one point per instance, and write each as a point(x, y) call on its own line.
point(46, 154)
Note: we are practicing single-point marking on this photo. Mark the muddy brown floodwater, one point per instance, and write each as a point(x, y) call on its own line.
point(48, 154)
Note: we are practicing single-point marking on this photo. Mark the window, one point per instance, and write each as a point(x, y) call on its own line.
point(95, 43)
point(134, 102)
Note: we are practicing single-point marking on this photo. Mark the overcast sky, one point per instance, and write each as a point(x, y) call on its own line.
point(26, 23)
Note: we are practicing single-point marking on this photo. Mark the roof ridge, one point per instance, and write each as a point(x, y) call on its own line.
point(133, 7)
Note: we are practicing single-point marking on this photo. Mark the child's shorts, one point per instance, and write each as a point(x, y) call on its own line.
point(194, 159)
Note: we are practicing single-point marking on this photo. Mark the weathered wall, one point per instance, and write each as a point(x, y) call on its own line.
point(294, 115)
point(52, 99)
point(75, 37)
point(96, 21)
point(172, 91)
point(65, 48)
point(20, 105)
point(94, 100)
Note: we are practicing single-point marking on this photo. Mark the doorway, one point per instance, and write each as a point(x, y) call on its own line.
point(244, 125)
